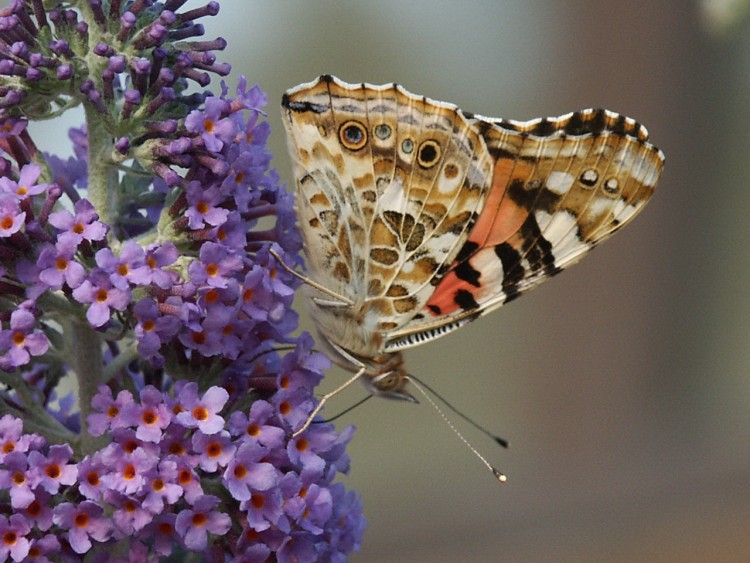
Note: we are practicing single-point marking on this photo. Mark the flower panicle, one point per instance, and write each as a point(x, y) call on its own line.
point(142, 266)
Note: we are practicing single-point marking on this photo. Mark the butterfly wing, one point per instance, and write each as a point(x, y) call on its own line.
point(560, 187)
point(388, 187)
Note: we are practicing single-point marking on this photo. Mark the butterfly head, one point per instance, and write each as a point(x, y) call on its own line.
point(387, 377)
point(383, 375)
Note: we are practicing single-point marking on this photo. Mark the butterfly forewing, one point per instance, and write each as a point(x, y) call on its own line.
point(553, 199)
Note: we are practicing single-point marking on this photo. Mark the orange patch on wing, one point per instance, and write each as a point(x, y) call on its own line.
point(499, 221)
point(501, 217)
point(443, 301)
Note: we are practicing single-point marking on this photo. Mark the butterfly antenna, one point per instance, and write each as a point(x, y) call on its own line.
point(342, 413)
point(497, 473)
point(282, 348)
point(325, 397)
point(502, 441)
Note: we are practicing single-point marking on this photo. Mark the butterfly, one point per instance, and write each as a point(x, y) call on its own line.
point(418, 217)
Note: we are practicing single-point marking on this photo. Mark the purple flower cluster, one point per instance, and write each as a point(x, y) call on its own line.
point(158, 484)
point(138, 267)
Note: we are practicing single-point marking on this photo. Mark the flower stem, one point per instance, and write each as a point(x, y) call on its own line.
point(102, 188)
point(87, 362)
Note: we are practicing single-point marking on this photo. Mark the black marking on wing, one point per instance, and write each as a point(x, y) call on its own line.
point(593, 124)
point(467, 250)
point(498, 153)
point(544, 128)
point(512, 269)
point(302, 107)
point(533, 198)
point(538, 250)
point(466, 272)
point(465, 300)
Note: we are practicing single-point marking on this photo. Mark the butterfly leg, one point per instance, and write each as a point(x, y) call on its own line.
point(341, 301)
point(327, 396)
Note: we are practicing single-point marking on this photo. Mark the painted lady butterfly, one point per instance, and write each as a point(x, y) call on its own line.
point(418, 217)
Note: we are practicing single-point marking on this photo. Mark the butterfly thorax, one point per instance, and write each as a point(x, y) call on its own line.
point(353, 328)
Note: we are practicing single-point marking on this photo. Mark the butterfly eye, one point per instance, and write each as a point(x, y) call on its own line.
point(353, 135)
point(428, 154)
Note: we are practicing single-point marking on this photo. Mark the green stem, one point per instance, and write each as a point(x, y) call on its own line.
point(86, 344)
point(87, 363)
point(103, 184)
point(119, 362)
point(35, 418)
point(103, 177)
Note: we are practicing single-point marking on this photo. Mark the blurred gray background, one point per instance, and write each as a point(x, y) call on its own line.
point(624, 385)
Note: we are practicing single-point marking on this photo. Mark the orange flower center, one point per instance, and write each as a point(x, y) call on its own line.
point(81, 520)
point(175, 448)
point(128, 472)
point(53, 471)
point(9, 538)
point(93, 478)
point(257, 500)
point(184, 477)
point(214, 449)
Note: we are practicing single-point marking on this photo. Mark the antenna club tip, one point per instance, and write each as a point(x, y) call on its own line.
point(500, 476)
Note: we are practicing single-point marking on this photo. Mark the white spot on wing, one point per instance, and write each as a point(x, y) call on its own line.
point(640, 166)
point(622, 211)
point(570, 250)
point(556, 226)
point(559, 182)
